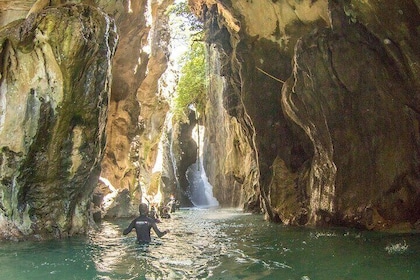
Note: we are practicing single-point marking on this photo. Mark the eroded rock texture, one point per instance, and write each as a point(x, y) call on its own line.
point(312, 113)
point(54, 90)
point(137, 111)
point(326, 96)
point(132, 114)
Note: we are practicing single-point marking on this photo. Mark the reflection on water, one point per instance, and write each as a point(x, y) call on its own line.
point(189, 251)
point(216, 244)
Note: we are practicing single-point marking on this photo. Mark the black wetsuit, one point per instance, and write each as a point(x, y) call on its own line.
point(143, 224)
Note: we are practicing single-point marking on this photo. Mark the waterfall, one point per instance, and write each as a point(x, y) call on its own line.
point(200, 188)
point(201, 191)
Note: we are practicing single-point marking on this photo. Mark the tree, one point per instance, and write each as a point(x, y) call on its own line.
point(191, 86)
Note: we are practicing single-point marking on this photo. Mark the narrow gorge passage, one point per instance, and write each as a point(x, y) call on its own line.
point(99, 104)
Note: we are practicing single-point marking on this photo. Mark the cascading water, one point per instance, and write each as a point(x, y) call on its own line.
point(201, 191)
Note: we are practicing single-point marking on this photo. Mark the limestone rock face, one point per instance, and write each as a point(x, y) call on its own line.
point(312, 114)
point(54, 86)
point(230, 158)
point(137, 111)
point(362, 118)
point(184, 151)
point(326, 97)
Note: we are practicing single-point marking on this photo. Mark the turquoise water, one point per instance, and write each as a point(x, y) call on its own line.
point(217, 244)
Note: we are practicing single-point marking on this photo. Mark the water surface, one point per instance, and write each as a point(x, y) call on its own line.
point(217, 244)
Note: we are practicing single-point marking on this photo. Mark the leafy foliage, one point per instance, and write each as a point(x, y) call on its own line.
point(190, 22)
point(191, 88)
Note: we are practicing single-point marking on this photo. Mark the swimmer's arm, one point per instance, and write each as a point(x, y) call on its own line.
point(158, 232)
point(130, 228)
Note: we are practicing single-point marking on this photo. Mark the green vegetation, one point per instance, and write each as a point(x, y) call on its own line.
point(188, 22)
point(191, 86)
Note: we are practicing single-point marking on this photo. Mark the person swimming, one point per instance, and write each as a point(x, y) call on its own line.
point(143, 224)
point(164, 212)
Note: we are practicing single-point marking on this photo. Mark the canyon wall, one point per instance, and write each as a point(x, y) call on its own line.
point(326, 94)
point(55, 81)
point(80, 116)
point(312, 114)
point(137, 110)
point(120, 170)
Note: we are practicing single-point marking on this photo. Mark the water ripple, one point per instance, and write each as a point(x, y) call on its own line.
point(216, 244)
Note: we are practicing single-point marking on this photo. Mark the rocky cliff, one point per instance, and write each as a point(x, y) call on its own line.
point(312, 114)
point(326, 95)
point(55, 54)
point(54, 86)
point(137, 109)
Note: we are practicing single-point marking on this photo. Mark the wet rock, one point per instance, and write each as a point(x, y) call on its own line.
point(345, 136)
point(55, 84)
point(121, 206)
point(137, 111)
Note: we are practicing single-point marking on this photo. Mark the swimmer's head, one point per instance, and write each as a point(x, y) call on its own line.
point(143, 209)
